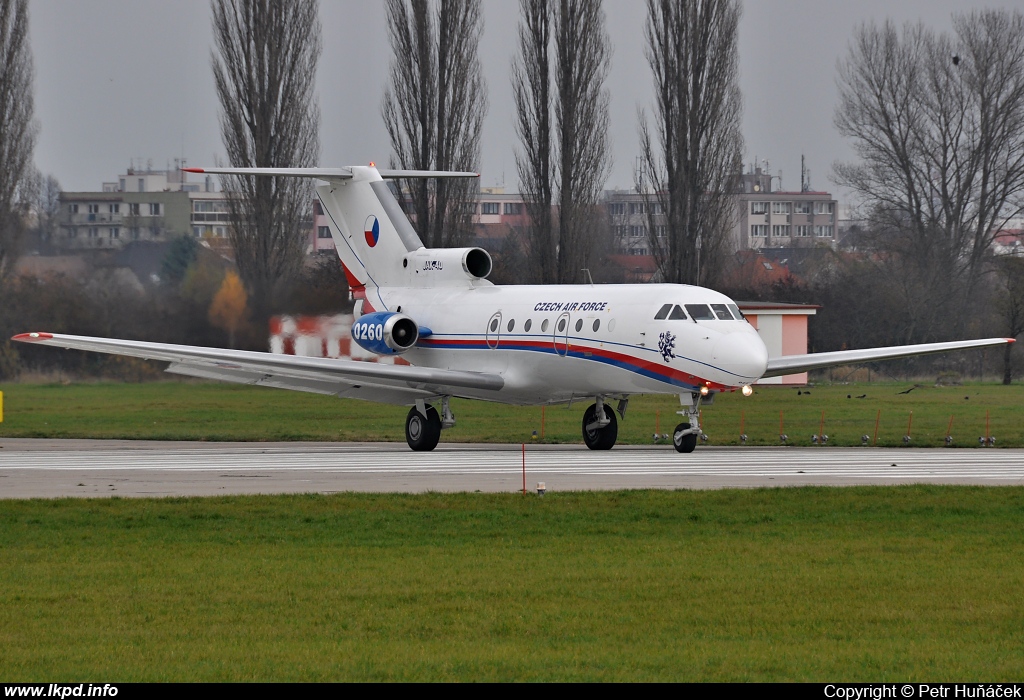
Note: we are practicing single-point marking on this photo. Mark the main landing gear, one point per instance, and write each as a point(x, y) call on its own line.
point(600, 427)
point(685, 437)
point(424, 424)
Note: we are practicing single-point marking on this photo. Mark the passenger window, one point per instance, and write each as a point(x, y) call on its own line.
point(663, 312)
point(561, 325)
point(544, 326)
point(737, 314)
point(494, 324)
point(677, 314)
point(579, 325)
point(528, 325)
point(597, 324)
point(511, 324)
point(700, 312)
point(722, 312)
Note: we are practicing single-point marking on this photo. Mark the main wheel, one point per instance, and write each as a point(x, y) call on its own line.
point(600, 438)
point(422, 433)
point(686, 443)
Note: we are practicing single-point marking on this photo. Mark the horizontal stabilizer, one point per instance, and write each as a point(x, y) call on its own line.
point(795, 364)
point(328, 173)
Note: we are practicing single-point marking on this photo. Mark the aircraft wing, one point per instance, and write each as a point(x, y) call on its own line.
point(396, 384)
point(794, 364)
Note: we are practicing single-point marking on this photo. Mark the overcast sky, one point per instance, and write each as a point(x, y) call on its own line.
point(118, 80)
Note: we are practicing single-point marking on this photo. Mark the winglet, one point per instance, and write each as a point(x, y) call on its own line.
point(32, 337)
point(1010, 340)
point(193, 170)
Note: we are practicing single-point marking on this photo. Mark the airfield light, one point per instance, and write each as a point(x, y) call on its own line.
point(541, 488)
point(747, 391)
point(703, 391)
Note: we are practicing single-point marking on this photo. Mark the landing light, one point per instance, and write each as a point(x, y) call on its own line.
point(703, 391)
point(747, 391)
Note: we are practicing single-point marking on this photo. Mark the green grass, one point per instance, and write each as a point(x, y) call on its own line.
point(809, 584)
point(199, 411)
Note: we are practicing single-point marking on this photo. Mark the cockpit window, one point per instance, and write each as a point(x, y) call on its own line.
point(700, 312)
point(663, 312)
point(736, 312)
point(722, 311)
point(677, 314)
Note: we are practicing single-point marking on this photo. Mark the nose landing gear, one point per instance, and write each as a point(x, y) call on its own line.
point(684, 439)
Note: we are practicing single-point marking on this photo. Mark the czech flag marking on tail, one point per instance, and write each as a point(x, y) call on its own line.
point(372, 230)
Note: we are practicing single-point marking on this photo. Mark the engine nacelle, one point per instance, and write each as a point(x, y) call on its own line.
point(445, 266)
point(385, 332)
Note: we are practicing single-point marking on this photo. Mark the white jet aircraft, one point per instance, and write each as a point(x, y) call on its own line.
point(525, 344)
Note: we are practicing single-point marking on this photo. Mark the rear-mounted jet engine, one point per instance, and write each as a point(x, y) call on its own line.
point(385, 332)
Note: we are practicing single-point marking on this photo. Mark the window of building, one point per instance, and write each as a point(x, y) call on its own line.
point(323, 232)
point(823, 207)
point(490, 208)
point(636, 231)
point(636, 208)
point(73, 208)
point(621, 231)
point(780, 231)
point(94, 208)
point(154, 209)
point(617, 209)
point(759, 207)
point(513, 208)
point(759, 231)
point(197, 231)
point(657, 209)
point(802, 207)
point(115, 208)
point(317, 208)
point(115, 232)
point(823, 231)
point(133, 209)
point(782, 207)
point(803, 231)
point(659, 231)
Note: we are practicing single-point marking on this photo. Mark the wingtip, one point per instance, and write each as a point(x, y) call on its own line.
point(193, 170)
point(1010, 340)
point(32, 337)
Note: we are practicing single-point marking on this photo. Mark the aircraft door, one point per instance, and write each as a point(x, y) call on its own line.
point(493, 333)
point(561, 334)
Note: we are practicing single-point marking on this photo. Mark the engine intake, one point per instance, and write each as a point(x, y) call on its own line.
point(385, 332)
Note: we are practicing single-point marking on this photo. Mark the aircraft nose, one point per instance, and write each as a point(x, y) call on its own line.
point(743, 354)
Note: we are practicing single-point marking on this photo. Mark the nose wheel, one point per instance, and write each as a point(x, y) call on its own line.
point(600, 427)
point(684, 443)
point(422, 432)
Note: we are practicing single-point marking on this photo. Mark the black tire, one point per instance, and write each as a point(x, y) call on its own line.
point(602, 438)
point(687, 443)
point(421, 433)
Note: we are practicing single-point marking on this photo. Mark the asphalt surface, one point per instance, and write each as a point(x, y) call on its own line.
point(89, 468)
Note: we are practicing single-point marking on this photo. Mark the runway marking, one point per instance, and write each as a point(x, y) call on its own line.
point(885, 464)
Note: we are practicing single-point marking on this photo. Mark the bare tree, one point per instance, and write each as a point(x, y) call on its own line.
point(1009, 305)
point(531, 86)
point(580, 104)
point(434, 107)
point(692, 51)
point(937, 122)
point(264, 67)
point(17, 128)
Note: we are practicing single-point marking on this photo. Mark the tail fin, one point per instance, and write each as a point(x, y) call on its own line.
point(371, 232)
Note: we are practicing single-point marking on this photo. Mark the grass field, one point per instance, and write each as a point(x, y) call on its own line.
point(900, 584)
point(201, 411)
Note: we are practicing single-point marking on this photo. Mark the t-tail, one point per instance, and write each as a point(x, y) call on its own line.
point(376, 242)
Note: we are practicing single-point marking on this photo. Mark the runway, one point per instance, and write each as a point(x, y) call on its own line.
point(91, 468)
